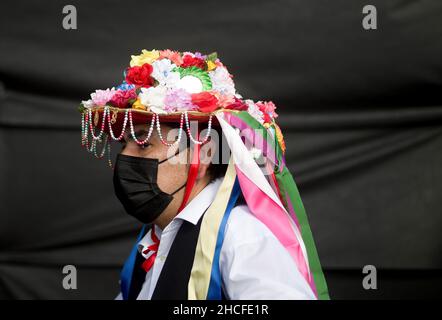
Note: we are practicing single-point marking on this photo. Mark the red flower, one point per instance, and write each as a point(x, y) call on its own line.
point(121, 98)
point(189, 61)
point(140, 76)
point(238, 104)
point(267, 118)
point(205, 101)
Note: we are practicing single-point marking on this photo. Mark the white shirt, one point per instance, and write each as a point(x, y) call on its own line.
point(253, 263)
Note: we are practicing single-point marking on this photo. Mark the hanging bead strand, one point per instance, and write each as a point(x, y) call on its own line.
point(105, 111)
point(84, 130)
point(123, 129)
point(109, 156)
point(132, 131)
point(180, 132)
point(209, 127)
point(102, 150)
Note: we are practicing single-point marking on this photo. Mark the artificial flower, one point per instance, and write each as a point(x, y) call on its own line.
point(177, 100)
point(211, 65)
point(153, 98)
point(140, 76)
point(266, 117)
point(267, 107)
point(144, 57)
point(125, 86)
point(206, 101)
point(162, 72)
point(200, 56)
point(87, 103)
point(224, 99)
point(121, 98)
point(138, 105)
point(173, 56)
point(237, 104)
point(254, 111)
point(189, 61)
point(222, 81)
point(101, 97)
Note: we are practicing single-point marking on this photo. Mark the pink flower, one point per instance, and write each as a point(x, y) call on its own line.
point(121, 98)
point(173, 56)
point(225, 99)
point(237, 104)
point(267, 107)
point(178, 99)
point(101, 97)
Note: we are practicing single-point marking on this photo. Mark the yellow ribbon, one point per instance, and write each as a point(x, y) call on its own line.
point(199, 280)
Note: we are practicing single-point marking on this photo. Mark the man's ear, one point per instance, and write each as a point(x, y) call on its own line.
point(207, 153)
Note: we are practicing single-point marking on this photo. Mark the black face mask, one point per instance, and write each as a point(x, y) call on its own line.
point(135, 185)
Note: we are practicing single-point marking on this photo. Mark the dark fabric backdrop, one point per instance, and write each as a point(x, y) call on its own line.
point(361, 112)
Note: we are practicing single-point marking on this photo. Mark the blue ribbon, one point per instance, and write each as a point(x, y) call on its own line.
point(215, 290)
point(128, 267)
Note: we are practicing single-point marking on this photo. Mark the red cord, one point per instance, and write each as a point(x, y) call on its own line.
point(193, 173)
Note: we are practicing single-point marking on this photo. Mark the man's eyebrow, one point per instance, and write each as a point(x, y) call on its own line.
point(140, 132)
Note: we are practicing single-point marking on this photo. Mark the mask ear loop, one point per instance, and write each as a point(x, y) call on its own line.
point(193, 172)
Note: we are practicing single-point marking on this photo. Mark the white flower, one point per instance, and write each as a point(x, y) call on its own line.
point(254, 111)
point(101, 97)
point(153, 97)
point(221, 81)
point(162, 72)
point(191, 84)
point(88, 103)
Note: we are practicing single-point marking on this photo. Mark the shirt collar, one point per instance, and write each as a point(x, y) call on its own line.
point(193, 211)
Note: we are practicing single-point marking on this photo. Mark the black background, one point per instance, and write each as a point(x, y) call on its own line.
point(360, 110)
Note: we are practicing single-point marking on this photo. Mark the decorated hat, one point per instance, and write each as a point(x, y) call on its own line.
point(164, 86)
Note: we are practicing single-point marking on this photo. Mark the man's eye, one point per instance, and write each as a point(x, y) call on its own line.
point(144, 145)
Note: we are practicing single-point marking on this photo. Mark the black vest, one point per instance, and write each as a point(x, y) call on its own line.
point(173, 281)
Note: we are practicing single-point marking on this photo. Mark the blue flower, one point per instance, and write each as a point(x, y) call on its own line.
point(125, 86)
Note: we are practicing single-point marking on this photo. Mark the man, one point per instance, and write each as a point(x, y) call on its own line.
point(212, 231)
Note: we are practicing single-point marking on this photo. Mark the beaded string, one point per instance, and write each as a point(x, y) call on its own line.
point(109, 157)
point(180, 132)
point(105, 111)
point(209, 127)
point(103, 150)
point(84, 129)
point(122, 130)
point(132, 131)
point(87, 126)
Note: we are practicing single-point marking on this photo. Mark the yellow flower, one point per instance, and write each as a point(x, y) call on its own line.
point(144, 57)
point(210, 65)
point(138, 105)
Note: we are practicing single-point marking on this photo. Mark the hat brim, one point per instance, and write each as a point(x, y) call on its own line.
point(144, 117)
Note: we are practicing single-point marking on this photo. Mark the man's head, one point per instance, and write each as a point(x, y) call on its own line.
point(173, 172)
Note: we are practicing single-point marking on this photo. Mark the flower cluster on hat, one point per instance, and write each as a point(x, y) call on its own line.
point(165, 81)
